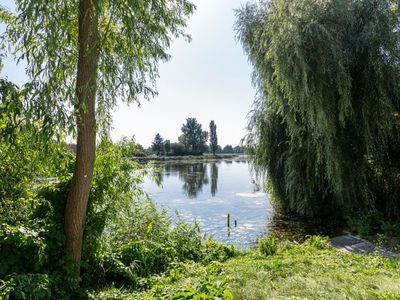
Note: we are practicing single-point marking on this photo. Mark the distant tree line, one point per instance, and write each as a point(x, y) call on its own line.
point(192, 141)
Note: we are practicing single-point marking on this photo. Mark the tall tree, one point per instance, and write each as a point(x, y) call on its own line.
point(327, 111)
point(158, 145)
point(213, 137)
point(83, 54)
point(86, 86)
point(193, 136)
point(167, 146)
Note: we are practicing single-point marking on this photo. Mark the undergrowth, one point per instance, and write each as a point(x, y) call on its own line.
point(311, 270)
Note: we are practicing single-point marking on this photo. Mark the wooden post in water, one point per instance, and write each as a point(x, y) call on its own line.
point(229, 221)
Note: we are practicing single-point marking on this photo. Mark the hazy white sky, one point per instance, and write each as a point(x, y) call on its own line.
point(208, 79)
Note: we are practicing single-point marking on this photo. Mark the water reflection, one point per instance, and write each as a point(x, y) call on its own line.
point(214, 179)
point(207, 191)
point(194, 176)
point(294, 228)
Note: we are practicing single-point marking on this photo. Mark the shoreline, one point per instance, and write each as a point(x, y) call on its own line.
point(186, 158)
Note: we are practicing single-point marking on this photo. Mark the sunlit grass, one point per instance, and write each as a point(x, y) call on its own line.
point(305, 272)
point(308, 271)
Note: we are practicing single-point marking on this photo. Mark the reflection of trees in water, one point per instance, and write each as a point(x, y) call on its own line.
point(168, 170)
point(214, 178)
point(158, 177)
point(194, 176)
point(157, 174)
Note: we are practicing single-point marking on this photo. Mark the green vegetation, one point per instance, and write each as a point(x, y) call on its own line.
point(81, 56)
point(192, 142)
point(130, 148)
point(193, 137)
point(313, 271)
point(213, 137)
point(267, 245)
point(158, 146)
point(325, 129)
point(308, 271)
point(325, 126)
point(126, 242)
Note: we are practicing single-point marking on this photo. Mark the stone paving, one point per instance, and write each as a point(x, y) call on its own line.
point(353, 244)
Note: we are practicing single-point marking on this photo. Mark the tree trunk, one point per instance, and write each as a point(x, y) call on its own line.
point(85, 109)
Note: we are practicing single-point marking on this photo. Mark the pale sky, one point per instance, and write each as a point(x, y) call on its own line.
point(208, 79)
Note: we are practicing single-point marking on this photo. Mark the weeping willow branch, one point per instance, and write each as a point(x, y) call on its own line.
point(328, 80)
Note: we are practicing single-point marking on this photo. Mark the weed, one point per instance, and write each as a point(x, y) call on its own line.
point(267, 245)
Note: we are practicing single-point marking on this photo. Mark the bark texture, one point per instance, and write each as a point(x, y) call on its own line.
point(85, 109)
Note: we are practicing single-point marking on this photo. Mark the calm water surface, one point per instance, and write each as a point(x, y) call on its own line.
point(206, 192)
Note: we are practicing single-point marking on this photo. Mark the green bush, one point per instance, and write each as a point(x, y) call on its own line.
point(373, 223)
point(205, 290)
point(316, 241)
point(23, 250)
point(215, 251)
point(145, 242)
point(186, 241)
point(29, 286)
point(267, 245)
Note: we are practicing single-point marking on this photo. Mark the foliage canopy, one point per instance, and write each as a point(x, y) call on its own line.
point(158, 145)
point(134, 37)
point(193, 137)
point(326, 116)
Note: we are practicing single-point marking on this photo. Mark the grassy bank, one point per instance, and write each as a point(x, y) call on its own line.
point(185, 157)
point(308, 271)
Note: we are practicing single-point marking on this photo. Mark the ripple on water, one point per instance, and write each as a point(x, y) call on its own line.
point(206, 192)
point(252, 195)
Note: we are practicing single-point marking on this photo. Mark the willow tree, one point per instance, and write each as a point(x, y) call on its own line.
point(327, 109)
point(82, 57)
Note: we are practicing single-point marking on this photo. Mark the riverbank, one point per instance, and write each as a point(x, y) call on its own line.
point(311, 270)
point(185, 158)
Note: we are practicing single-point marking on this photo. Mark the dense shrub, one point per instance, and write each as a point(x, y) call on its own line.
point(372, 224)
point(144, 241)
point(267, 245)
point(30, 286)
point(22, 249)
point(178, 149)
point(215, 251)
point(318, 242)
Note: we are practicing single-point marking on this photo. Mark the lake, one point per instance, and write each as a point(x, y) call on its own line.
point(207, 191)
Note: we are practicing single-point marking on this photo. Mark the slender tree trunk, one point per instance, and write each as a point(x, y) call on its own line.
point(75, 210)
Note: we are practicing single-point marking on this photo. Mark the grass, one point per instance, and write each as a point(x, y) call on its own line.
point(308, 271)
